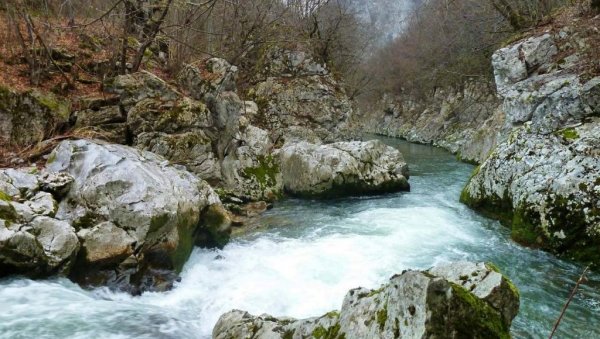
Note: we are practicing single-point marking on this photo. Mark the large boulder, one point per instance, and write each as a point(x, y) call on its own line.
point(542, 179)
point(546, 188)
point(136, 216)
point(135, 87)
point(461, 300)
point(29, 117)
point(250, 172)
point(342, 168)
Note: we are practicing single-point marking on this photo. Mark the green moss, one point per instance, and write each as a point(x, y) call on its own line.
point(508, 282)
point(186, 226)
point(158, 221)
point(396, 328)
point(568, 133)
point(214, 227)
point(5, 197)
point(265, 173)
point(492, 267)
point(288, 334)
point(480, 319)
point(51, 158)
point(332, 332)
point(8, 212)
point(375, 292)
point(382, 316)
point(523, 229)
point(333, 314)
point(60, 108)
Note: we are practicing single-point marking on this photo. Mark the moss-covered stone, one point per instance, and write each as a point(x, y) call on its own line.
point(332, 332)
point(214, 229)
point(49, 101)
point(265, 173)
point(486, 322)
point(5, 197)
point(382, 316)
point(8, 212)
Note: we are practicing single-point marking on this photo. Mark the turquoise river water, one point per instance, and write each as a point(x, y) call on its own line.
point(304, 260)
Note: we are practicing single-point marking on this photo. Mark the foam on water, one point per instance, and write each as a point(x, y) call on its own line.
point(309, 256)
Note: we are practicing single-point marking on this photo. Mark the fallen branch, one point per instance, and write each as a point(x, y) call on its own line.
point(582, 278)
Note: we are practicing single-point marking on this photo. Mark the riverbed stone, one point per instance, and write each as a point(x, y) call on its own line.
point(105, 243)
point(343, 168)
point(41, 247)
point(415, 304)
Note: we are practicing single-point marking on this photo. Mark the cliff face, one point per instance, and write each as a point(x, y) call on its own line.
point(543, 180)
point(387, 17)
point(464, 121)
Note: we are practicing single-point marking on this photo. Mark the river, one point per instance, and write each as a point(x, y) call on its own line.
point(304, 260)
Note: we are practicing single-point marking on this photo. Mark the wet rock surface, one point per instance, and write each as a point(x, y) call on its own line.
point(458, 300)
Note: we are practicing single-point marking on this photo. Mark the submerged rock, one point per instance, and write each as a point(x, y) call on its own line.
point(343, 168)
point(460, 300)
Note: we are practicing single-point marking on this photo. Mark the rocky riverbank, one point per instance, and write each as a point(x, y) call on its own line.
point(180, 163)
point(535, 135)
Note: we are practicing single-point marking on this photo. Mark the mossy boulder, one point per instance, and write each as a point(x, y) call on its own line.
point(29, 117)
point(437, 303)
point(546, 189)
point(134, 214)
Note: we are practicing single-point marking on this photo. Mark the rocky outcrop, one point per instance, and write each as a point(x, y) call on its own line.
point(342, 168)
point(204, 127)
point(107, 214)
point(298, 99)
point(460, 300)
point(465, 121)
point(543, 180)
point(546, 188)
point(26, 118)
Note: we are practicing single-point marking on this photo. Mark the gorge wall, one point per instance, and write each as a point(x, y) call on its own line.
point(535, 134)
